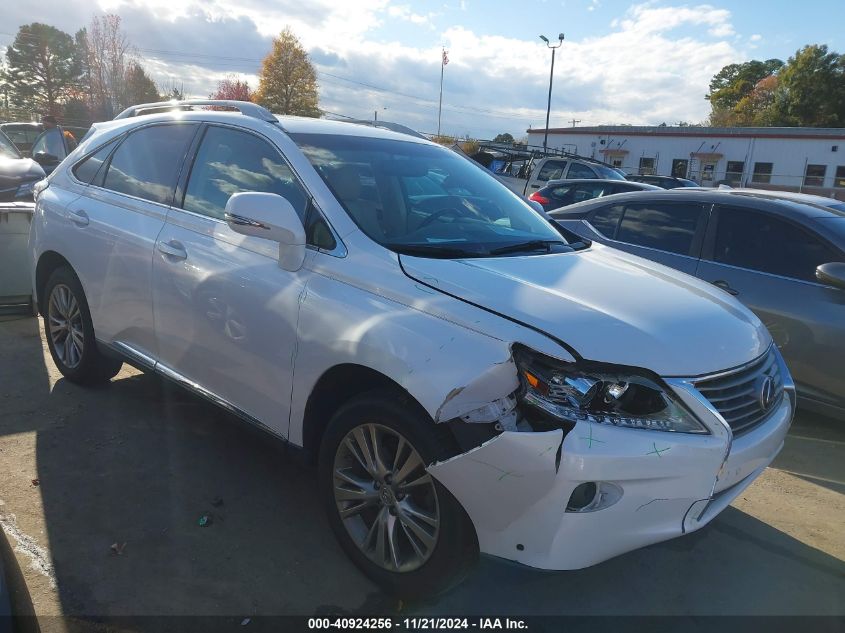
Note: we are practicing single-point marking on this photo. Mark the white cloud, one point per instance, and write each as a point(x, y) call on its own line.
point(756, 37)
point(654, 63)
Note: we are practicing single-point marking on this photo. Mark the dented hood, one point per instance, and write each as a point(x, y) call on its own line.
point(608, 306)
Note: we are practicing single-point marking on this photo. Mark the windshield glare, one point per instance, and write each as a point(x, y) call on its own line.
point(422, 198)
point(7, 149)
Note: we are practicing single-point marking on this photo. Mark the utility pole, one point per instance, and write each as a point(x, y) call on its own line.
point(551, 78)
point(444, 59)
point(574, 121)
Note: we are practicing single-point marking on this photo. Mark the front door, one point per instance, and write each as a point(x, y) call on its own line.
point(769, 264)
point(225, 311)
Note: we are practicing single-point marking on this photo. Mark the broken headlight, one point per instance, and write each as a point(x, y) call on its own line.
point(604, 395)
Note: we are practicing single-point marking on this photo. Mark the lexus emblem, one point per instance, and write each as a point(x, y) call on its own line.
point(767, 392)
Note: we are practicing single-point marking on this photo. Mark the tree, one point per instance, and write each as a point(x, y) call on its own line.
point(735, 81)
point(503, 138)
point(814, 88)
point(139, 87)
point(232, 88)
point(42, 68)
point(108, 57)
point(288, 81)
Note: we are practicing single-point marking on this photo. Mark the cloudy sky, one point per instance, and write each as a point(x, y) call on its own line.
point(620, 62)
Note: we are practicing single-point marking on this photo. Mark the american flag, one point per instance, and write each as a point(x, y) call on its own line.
point(445, 57)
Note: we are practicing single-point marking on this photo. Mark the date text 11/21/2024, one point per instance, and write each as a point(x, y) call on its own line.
point(418, 624)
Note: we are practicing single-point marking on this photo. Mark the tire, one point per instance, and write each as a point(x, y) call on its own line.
point(418, 564)
point(71, 340)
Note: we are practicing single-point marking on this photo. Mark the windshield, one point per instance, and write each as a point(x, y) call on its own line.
point(609, 172)
point(425, 199)
point(7, 149)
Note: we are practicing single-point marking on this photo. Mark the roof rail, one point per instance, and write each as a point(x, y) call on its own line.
point(244, 107)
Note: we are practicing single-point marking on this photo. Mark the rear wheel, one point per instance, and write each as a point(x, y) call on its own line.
point(397, 523)
point(70, 332)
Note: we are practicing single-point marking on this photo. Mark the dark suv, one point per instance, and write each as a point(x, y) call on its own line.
point(782, 258)
point(18, 175)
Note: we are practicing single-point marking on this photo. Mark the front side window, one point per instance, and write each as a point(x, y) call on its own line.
point(231, 161)
point(147, 163)
point(758, 241)
point(7, 149)
point(552, 170)
point(457, 209)
point(762, 173)
point(50, 142)
point(606, 219)
point(664, 226)
point(814, 175)
point(577, 170)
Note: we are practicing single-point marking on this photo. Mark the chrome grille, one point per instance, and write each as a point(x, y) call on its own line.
point(739, 395)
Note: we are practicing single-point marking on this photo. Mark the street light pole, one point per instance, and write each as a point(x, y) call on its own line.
point(551, 78)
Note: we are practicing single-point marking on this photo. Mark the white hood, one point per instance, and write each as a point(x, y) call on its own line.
point(608, 306)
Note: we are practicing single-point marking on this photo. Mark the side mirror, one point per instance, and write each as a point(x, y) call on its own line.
point(832, 274)
point(43, 158)
point(270, 217)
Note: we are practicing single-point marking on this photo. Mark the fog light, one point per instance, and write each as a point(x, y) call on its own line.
point(593, 495)
point(582, 496)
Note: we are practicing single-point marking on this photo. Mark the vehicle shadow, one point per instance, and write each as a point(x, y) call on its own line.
point(158, 503)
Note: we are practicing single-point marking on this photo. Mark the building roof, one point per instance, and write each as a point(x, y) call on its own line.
point(699, 131)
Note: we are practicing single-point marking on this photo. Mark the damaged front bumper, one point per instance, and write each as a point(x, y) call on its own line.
point(649, 485)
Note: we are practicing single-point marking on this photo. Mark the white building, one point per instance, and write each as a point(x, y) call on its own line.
point(799, 159)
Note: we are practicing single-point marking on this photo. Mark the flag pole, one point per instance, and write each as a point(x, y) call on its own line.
point(440, 103)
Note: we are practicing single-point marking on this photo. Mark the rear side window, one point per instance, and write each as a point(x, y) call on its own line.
point(552, 170)
point(758, 241)
point(577, 170)
point(664, 226)
point(86, 170)
point(606, 219)
point(147, 163)
point(231, 161)
point(588, 192)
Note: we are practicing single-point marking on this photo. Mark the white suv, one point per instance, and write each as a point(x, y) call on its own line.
point(469, 377)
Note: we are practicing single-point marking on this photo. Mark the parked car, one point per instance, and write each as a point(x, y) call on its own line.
point(664, 182)
point(807, 198)
point(23, 135)
point(783, 259)
point(559, 193)
point(469, 376)
point(566, 168)
point(18, 175)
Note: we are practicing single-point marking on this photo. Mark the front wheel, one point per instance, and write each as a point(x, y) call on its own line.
point(70, 332)
point(395, 521)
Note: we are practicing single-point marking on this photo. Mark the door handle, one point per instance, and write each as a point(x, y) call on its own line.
point(173, 249)
point(79, 218)
point(724, 285)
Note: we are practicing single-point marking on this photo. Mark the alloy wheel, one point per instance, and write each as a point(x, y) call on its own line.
point(65, 324)
point(385, 498)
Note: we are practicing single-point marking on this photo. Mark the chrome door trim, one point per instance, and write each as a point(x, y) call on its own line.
point(131, 353)
point(212, 397)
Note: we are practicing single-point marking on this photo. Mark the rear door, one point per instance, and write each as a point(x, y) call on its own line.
point(115, 223)
point(768, 262)
point(670, 233)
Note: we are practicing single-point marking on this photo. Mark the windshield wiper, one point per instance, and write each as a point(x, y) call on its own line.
point(432, 250)
point(531, 245)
